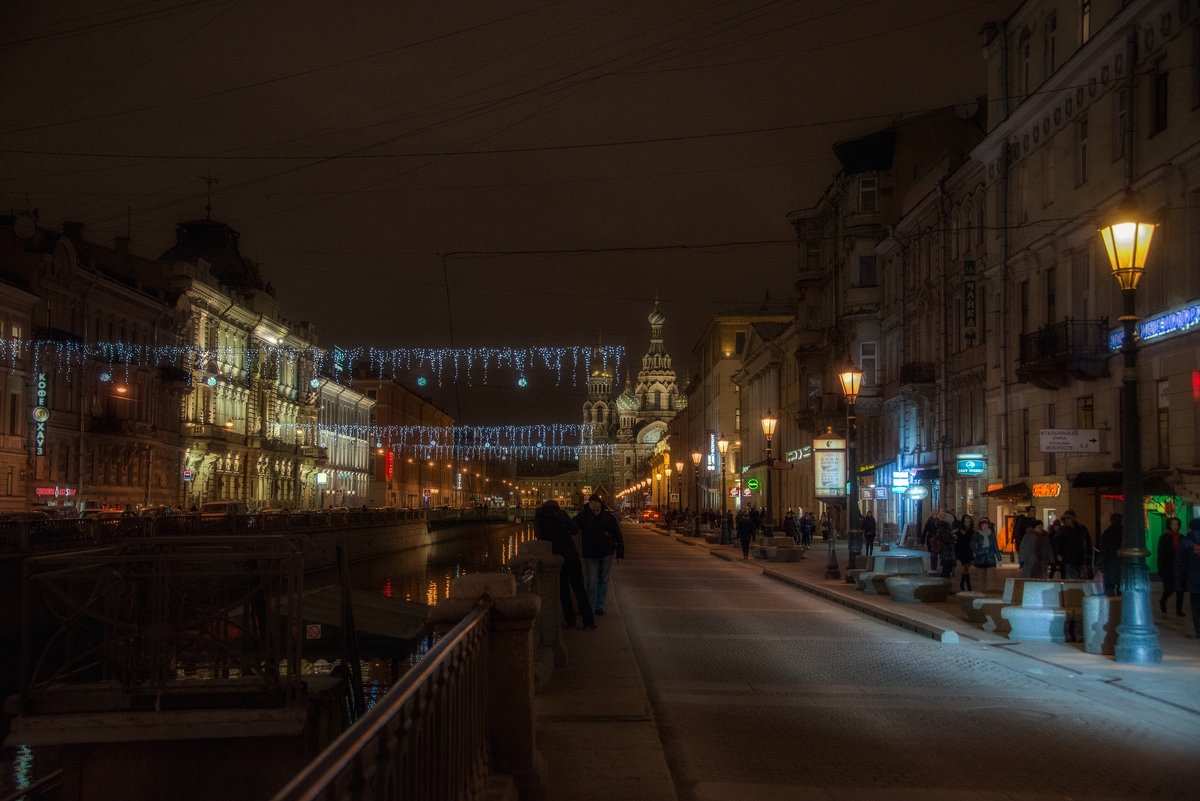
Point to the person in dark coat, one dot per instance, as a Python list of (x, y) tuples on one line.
[(944, 539), (964, 534), (808, 527), (601, 536), (868, 532), (551, 523), (1187, 570), (790, 528), (1168, 545), (1110, 562), (745, 532), (929, 538), (1073, 547)]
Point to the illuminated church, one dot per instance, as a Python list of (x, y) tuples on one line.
[(634, 421)]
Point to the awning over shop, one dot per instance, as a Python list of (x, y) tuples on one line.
[(1114, 480), (1011, 492)]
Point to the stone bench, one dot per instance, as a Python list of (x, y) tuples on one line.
[(873, 580), (971, 612), (1101, 616), (1049, 610), (917, 589), (852, 576), (777, 549)]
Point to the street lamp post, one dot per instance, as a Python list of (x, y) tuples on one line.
[(679, 472), (696, 457), (658, 490), (1127, 239), (769, 421), (851, 380), (723, 447), (667, 487)]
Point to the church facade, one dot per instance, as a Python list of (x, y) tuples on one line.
[(634, 421)]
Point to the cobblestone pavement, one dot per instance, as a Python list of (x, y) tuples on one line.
[(761, 691)]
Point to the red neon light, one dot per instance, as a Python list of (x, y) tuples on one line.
[(1196, 385), (387, 465)]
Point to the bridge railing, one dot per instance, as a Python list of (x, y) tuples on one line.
[(427, 738)]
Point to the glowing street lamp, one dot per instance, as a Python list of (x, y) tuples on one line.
[(769, 421), (723, 447), (679, 472), (1127, 235), (851, 380), (696, 457)]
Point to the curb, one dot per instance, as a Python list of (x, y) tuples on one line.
[(903, 621)]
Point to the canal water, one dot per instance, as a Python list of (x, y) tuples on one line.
[(422, 574)]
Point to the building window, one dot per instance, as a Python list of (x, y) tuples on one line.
[(1081, 151), (1085, 412), (869, 363), (1085, 20), (1158, 99), (1164, 423), (867, 195), (1024, 49), (1120, 122), (1024, 442), (1024, 305), (1051, 295), (1051, 51), (866, 271)]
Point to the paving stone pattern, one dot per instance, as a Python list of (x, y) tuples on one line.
[(761, 691)]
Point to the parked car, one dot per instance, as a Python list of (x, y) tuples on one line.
[(213, 509), (649, 515), (155, 511)]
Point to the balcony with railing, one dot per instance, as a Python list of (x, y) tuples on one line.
[(1054, 354)]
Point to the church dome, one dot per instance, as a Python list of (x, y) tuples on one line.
[(627, 401), (218, 244), (656, 317)]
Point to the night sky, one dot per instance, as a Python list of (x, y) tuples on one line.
[(517, 173)]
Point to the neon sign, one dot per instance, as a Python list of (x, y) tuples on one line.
[(1046, 490), (40, 415), (1162, 325)]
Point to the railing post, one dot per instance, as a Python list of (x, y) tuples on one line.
[(510, 720), (545, 584)]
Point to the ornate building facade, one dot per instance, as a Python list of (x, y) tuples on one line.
[(634, 422)]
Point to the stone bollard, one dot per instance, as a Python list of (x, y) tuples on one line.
[(510, 719), (548, 628)]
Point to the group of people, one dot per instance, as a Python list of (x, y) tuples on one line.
[(962, 548), (585, 575)]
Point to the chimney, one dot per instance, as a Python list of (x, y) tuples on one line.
[(121, 245), (73, 230)]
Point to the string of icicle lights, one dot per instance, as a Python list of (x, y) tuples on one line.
[(547, 441), (469, 366)]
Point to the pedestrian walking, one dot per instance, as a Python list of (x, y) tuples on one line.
[(600, 534), (985, 553), (1187, 570), (1022, 522), (727, 528), (551, 523), (1110, 562), (945, 543), (1036, 553), (826, 527), (790, 526), (745, 532), (928, 540), (868, 532), (1168, 546), (1073, 546), (808, 527), (964, 533)]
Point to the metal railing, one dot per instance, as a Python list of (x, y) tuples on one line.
[(141, 615), (1064, 340), (426, 739), (65, 534)]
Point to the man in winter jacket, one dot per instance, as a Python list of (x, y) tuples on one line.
[(1187, 570), (601, 537), (551, 523), (1073, 546)]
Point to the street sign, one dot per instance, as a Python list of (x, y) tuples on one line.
[(674, 497), (735, 491), (752, 483), (746, 493), (587, 490), (1069, 440), (312, 631)]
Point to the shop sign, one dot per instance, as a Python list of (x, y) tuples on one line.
[(322, 478), (901, 479), (797, 455), (866, 493), (734, 492), (388, 464), (1046, 490), (54, 492), (971, 467), (1175, 321), (41, 413), (746, 493), (187, 475), (917, 493), (881, 493), (752, 483), (991, 487)]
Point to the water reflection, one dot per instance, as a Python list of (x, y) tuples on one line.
[(422, 574)]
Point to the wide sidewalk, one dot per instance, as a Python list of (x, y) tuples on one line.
[(595, 724)]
